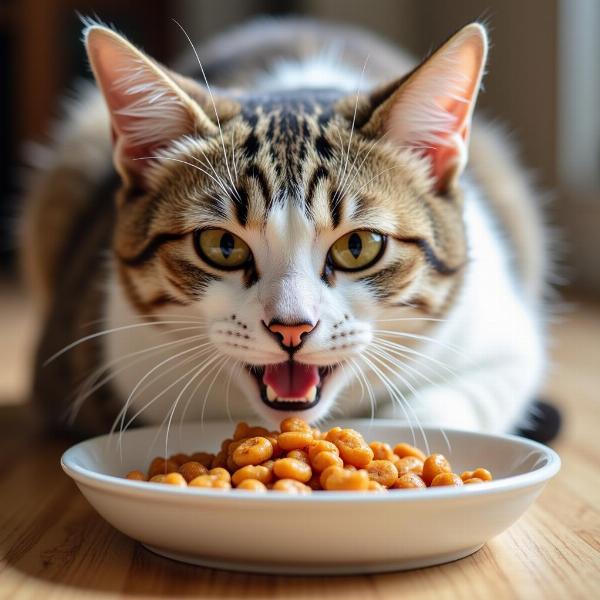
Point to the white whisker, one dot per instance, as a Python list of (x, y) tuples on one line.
[(212, 101), (210, 386), (375, 177), (356, 170), (123, 411), (402, 365), (394, 393), (416, 394), (107, 332), (183, 162), (411, 319), (201, 368), (337, 196), (91, 384), (406, 350), (125, 426), (416, 336)]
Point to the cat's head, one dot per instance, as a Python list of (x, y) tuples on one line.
[(296, 224)]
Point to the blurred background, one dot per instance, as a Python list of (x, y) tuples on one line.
[(543, 85)]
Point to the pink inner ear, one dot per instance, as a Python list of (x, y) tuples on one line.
[(434, 107), (147, 108), (445, 159)]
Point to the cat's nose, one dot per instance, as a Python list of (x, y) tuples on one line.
[(290, 336)]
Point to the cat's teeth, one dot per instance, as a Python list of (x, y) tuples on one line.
[(310, 396), (312, 393)]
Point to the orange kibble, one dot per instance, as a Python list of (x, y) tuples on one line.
[(433, 465), (253, 451), (161, 466), (314, 482), (383, 472), (294, 440), (268, 464), (333, 434), (326, 459), (408, 481), (210, 481), (348, 481), (317, 446), (233, 445), (446, 479), (225, 444), (403, 450), (353, 448), (231, 464), (204, 458), (299, 455), (252, 485), (301, 458), (175, 479), (294, 424), (219, 460), (410, 464), (258, 432), (481, 473), (180, 458), (381, 451), (192, 469), (327, 473), (258, 472), (241, 431), (292, 468), (277, 451), (220, 473), (376, 487), (290, 486)]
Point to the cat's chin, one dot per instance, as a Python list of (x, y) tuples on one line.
[(272, 400)]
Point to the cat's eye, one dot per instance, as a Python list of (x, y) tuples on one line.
[(357, 250), (222, 249)]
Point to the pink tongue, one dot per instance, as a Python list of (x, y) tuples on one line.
[(291, 379)]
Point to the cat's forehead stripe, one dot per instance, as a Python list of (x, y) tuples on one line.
[(286, 125)]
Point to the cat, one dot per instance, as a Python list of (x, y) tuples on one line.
[(326, 230)]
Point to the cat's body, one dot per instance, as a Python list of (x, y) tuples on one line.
[(484, 283)]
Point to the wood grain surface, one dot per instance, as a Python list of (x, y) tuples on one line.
[(54, 546)]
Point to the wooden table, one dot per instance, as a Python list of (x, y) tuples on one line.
[(53, 545)]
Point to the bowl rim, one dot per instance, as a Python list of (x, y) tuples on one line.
[(121, 486)]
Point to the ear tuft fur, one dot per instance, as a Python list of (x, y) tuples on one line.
[(432, 108), (148, 108)]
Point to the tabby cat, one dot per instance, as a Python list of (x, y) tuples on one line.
[(304, 236)]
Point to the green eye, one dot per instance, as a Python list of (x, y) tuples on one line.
[(222, 249), (357, 250)]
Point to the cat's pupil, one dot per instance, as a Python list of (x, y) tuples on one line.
[(227, 243), (355, 245)]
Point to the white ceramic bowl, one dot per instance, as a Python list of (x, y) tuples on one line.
[(326, 532)]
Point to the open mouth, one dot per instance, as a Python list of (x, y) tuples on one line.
[(290, 385)]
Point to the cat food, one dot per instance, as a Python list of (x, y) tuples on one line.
[(300, 459)]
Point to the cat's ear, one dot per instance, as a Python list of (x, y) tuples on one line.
[(148, 107), (431, 109)]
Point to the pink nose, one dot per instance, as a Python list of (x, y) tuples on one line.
[(291, 334)]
